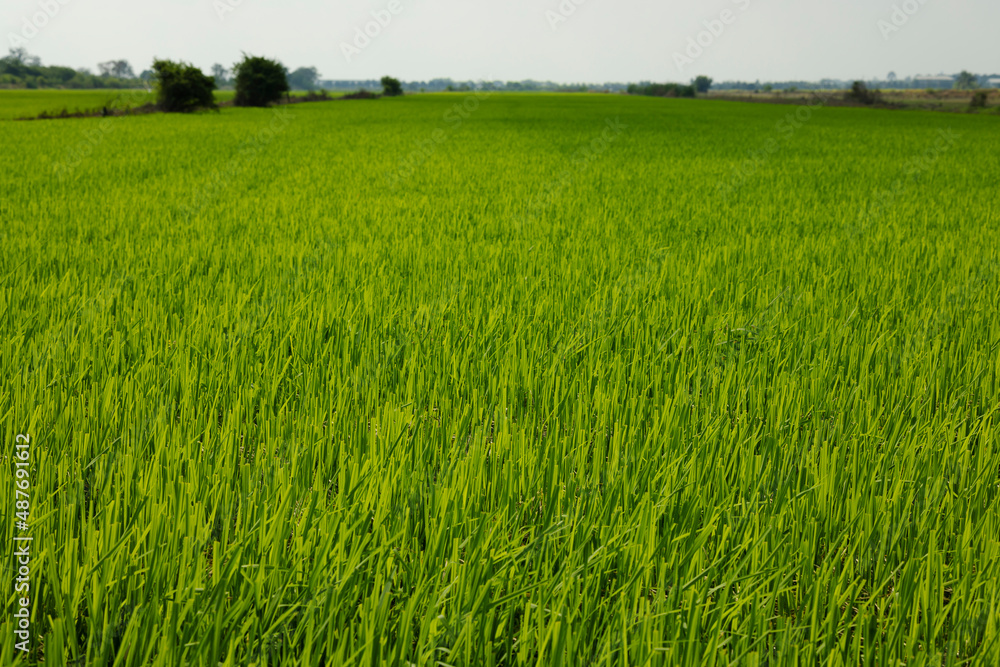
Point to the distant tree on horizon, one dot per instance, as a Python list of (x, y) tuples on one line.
[(21, 56), (220, 74), (304, 78), (861, 93), (391, 87), (120, 69), (966, 81), (702, 83)]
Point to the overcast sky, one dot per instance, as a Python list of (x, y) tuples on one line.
[(559, 40)]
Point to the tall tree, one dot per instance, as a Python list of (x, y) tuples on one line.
[(220, 74), (119, 69), (304, 78), (702, 83), (966, 81)]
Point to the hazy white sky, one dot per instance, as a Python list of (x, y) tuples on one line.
[(558, 40)]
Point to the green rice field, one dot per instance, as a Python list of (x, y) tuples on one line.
[(473, 379)]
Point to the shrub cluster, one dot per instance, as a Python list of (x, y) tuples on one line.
[(181, 87), (662, 90), (259, 81), (860, 93), (391, 87)]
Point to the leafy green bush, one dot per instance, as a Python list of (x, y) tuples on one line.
[(860, 92), (259, 81), (979, 99), (391, 87), (181, 87)]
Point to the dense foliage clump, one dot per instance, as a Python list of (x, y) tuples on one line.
[(862, 94), (979, 99), (391, 87), (181, 87), (259, 82), (662, 90), (702, 83)]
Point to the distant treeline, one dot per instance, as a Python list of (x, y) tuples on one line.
[(963, 80), (662, 90), (18, 69), (451, 85)]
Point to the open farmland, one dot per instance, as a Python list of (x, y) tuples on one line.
[(386, 382), (30, 103), (927, 99)]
